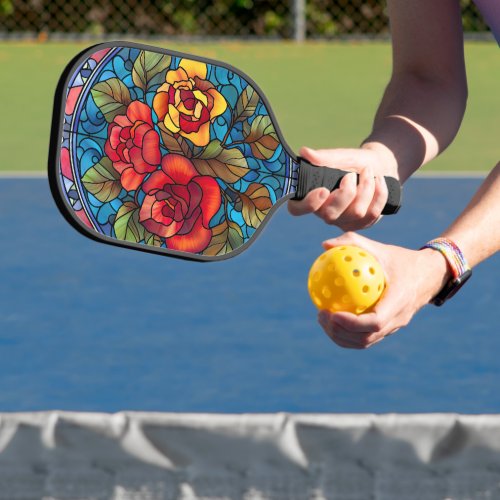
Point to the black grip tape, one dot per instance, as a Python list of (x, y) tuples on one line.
[(312, 177)]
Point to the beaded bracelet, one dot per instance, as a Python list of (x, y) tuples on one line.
[(460, 269), (452, 254)]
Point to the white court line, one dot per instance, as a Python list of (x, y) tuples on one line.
[(453, 174), (11, 174)]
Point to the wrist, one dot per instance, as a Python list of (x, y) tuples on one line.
[(386, 156), (437, 272)]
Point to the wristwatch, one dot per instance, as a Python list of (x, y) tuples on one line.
[(460, 270)]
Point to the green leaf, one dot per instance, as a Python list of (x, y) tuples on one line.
[(175, 144), (227, 164), (112, 97), (102, 180), (261, 136), (148, 69), (127, 226), (226, 237), (246, 104), (152, 239), (212, 150), (256, 203)]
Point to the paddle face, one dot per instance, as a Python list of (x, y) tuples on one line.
[(165, 152)]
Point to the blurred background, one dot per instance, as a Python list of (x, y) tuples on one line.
[(343, 53), (282, 19)]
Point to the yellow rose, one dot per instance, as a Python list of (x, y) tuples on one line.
[(187, 103)]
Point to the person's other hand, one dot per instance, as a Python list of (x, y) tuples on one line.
[(351, 206), (413, 278)]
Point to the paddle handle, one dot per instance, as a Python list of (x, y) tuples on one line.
[(312, 177)]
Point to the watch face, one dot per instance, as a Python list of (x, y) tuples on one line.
[(451, 288)]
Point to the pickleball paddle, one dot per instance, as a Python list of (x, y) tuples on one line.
[(171, 153)]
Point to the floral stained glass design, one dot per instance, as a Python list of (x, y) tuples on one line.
[(163, 150)]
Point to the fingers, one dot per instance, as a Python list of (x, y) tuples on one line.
[(310, 204), (352, 238), (355, 332), (338, 158), (364, 195), (356, 204), (365, 208), (380, 196), (364, 330), (316, 198), (335, 205), (368, 323)]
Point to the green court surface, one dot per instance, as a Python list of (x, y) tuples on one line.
[(324, 95)]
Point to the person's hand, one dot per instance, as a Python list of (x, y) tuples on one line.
[(413, 278), (351, 206)]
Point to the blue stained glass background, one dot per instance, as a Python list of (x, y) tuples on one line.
[(89, 121)]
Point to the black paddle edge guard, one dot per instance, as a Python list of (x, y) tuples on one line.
[(312, 177)]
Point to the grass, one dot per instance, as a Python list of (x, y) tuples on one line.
[(324, 95)]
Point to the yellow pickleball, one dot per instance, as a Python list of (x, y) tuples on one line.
[(346, 278)]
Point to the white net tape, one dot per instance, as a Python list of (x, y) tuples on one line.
[(160, 456)]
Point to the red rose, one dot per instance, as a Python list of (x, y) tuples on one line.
[(179, 204), (133, 145)]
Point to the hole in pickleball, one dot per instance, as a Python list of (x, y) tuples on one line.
[(366, 289), (317, 276), (330, 268), (339, 281), (317, 301), (346, 299), (348, 258), (379, 288), (356, 273), (359, 310), (372, 270), (336, 306), (362, 254), (327, 293)]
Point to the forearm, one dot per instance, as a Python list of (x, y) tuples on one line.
[(424, 103), (477, 230), (416, 120)]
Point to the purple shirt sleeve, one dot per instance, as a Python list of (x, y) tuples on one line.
[(490, 9)]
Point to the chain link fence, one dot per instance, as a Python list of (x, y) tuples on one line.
[(286, 19)]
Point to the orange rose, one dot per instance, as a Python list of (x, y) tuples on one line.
[(187, 103)]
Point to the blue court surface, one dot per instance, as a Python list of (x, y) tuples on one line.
[(92, 327)]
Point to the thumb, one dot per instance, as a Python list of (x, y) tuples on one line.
[(349, 238), (338, 158), (377, 249)]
